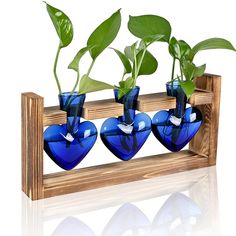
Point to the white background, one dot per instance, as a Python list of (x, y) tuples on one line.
[(28, 45)]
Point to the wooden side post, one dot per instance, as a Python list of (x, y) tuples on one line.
[(32, 145), (205, 141)]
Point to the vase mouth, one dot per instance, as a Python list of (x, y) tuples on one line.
[(67, 94), (135, 88), (174, 83), (68, 100)]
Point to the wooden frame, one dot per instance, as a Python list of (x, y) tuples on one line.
[(202, 149)]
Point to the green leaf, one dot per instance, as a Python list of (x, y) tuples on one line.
[(62, 24), (131, 51), (104, 34), (179, 49), (153, 38), (88, 85), (129, 83), (125, 86), (212, 43), (199, 71), (149, 64), (184, 49), (150, 26), (188, 87), (191, 71), (74, 65), (124, 60), (122, 92), (174, 48)]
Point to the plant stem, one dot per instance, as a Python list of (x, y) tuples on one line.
[(173, 70), (88, 72), (76, 83), (181, 72), (135, 66), (55, 69), (141, 61), (90, 68), (139, 65)]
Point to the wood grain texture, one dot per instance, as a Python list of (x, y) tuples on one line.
[(109, 108), (201, 96), (102, 109), (53, 116), (32, 145), (205, 141), (121, 172), (155, 102)]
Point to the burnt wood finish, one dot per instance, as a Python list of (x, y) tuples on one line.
[(205, 141), (107, 108), (32, 145), (35, 117), (121, 172)]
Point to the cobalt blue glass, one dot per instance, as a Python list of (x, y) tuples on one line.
[(124, 136), (176, 127), (69, 143)]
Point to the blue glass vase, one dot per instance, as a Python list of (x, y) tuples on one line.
[(69, 143), (124, 136), (176, 127)]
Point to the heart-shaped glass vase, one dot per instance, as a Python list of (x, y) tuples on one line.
[(124, 136), (69, 143), (175, 128)]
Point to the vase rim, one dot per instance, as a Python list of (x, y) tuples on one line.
[(175, 82), (136, 87), (64, 94)]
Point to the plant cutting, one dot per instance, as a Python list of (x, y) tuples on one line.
[(124, 136), (68, 144), (176, 127), (184, 55)]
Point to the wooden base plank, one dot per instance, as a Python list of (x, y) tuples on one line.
[(121, 172)]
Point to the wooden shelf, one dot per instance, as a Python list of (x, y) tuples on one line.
[(53, 115), (102, 109), (155, 102), (107, 108), (120, 172), (201, 97)]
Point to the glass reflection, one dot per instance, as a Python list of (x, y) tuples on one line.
[(71, 226), (190, 207)]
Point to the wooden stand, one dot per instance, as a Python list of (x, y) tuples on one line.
[(201, 153)]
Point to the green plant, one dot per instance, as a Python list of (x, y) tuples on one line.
[(64, 29), (98, 41), (136, 59), (147, 26), (184, 54)]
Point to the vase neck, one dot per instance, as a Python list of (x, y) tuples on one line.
[(174, 89), (72, 104), (129, 101)]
